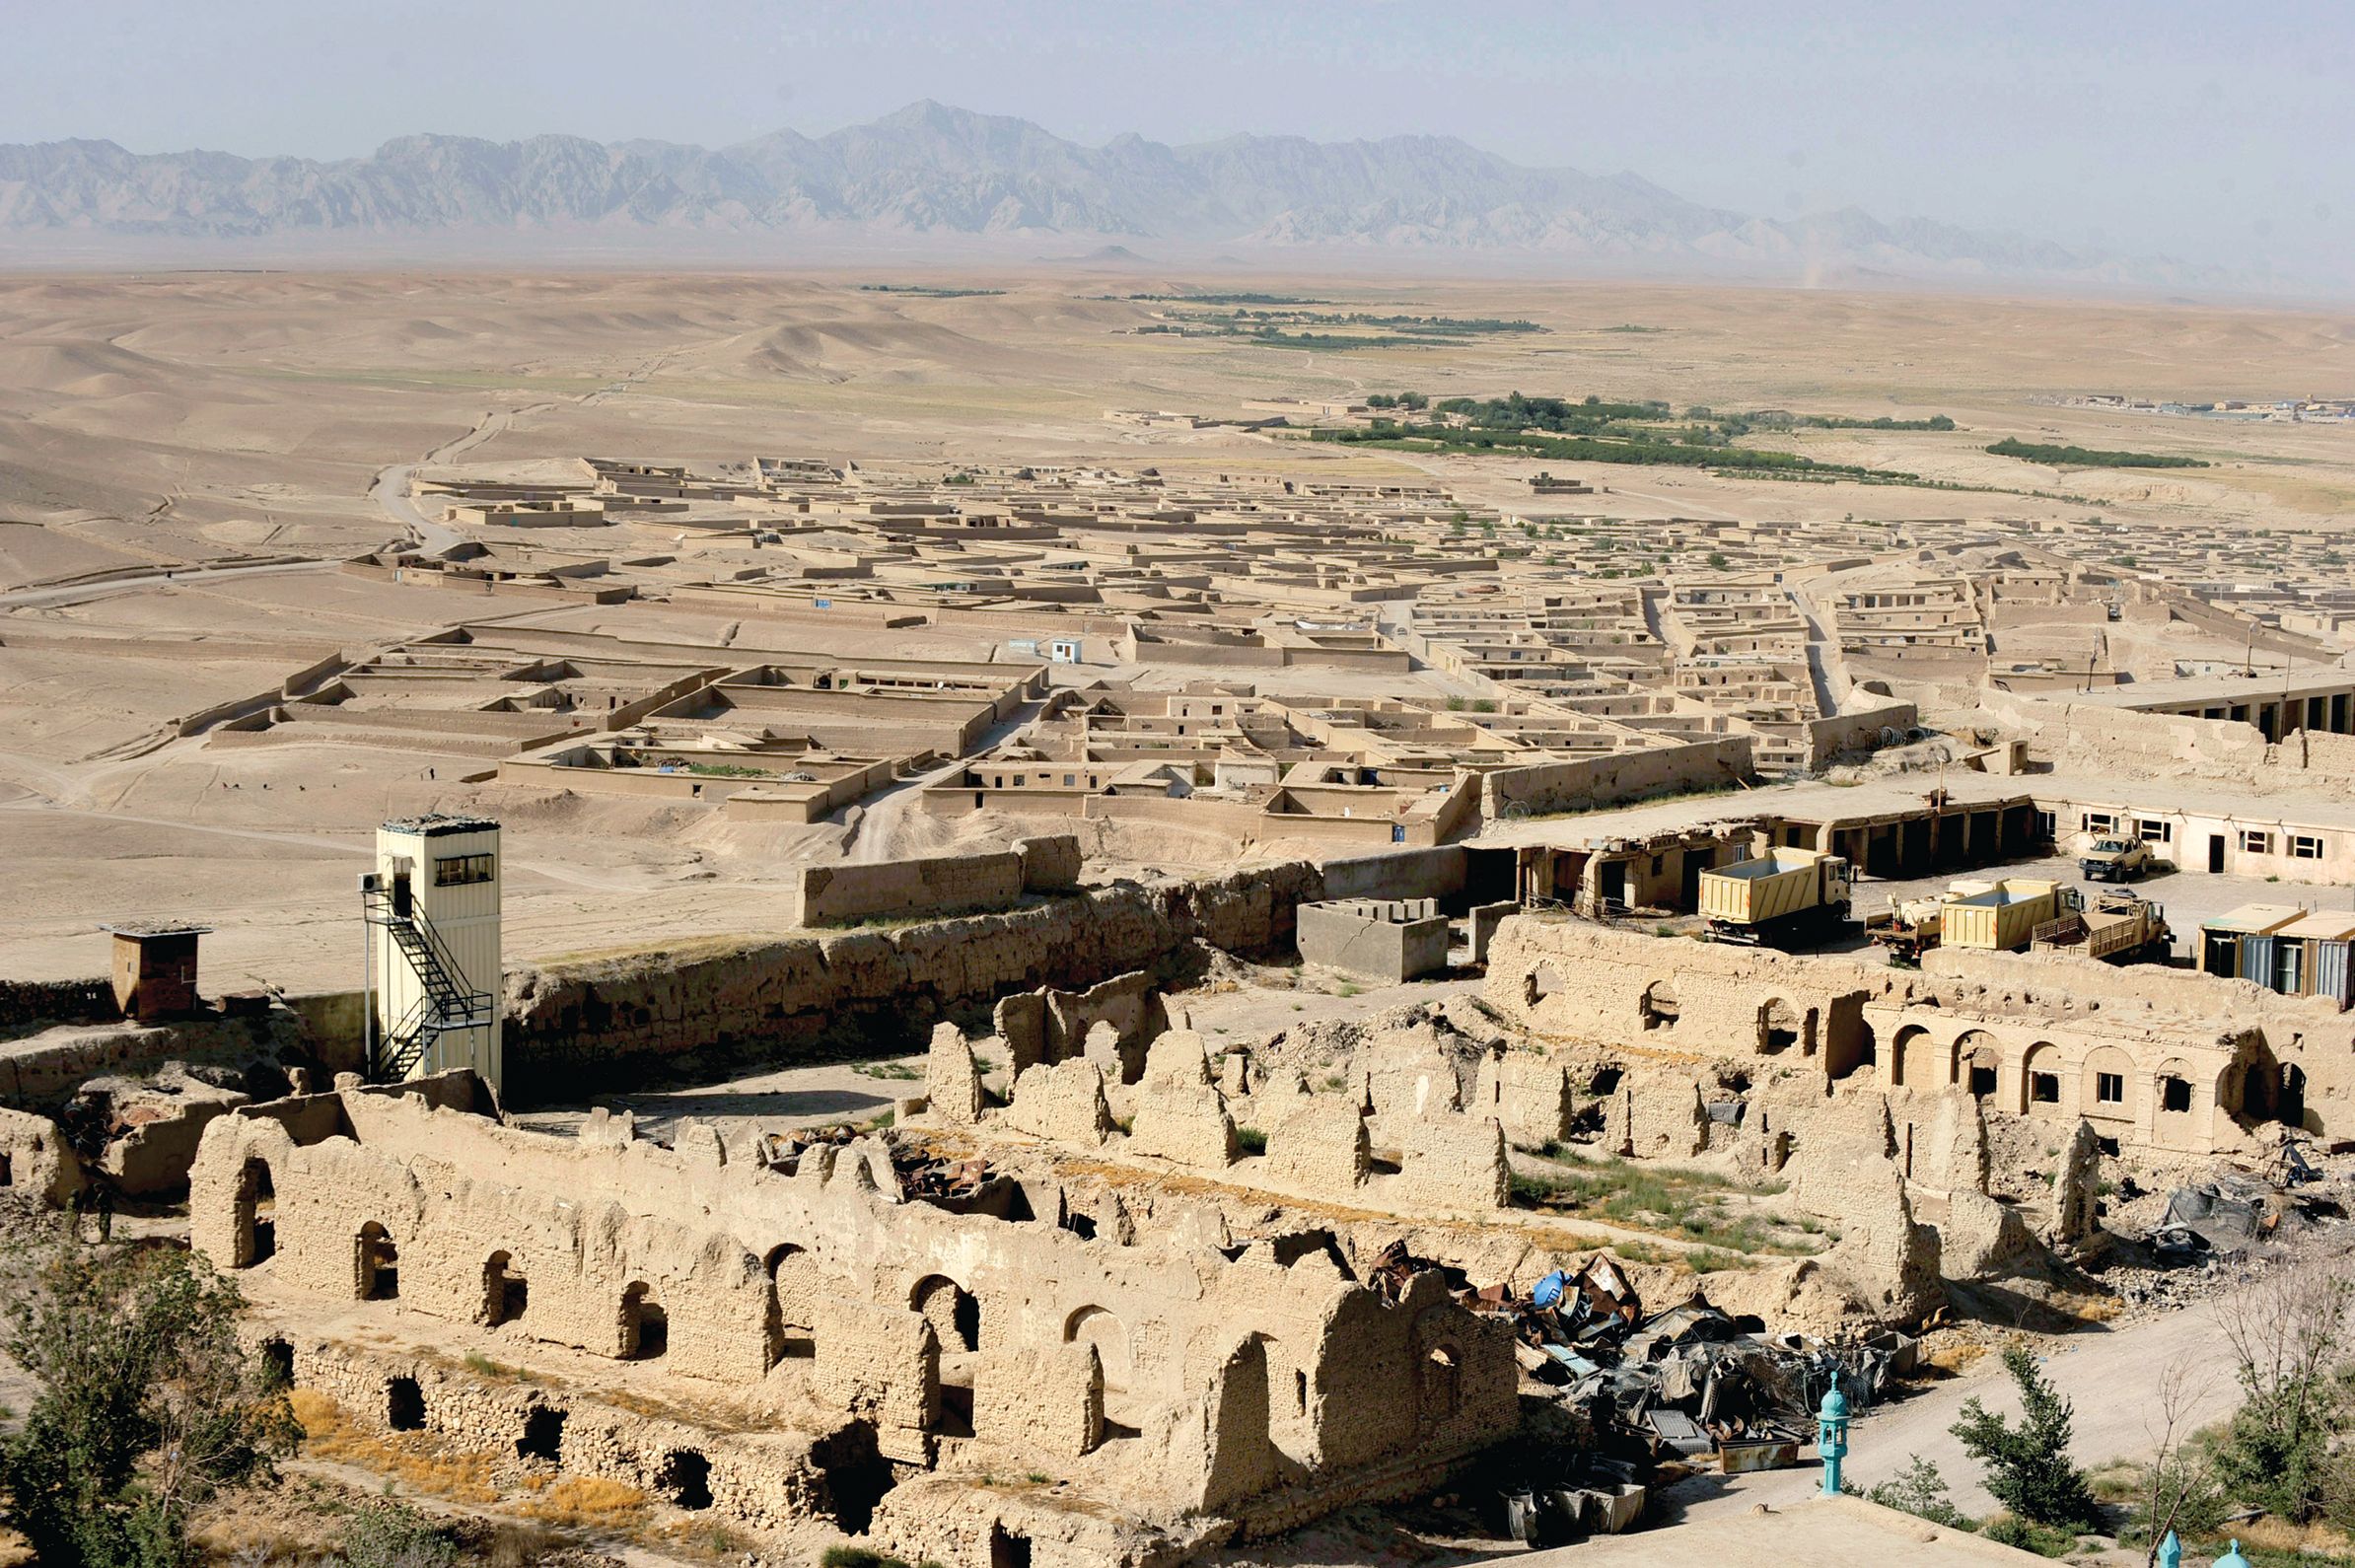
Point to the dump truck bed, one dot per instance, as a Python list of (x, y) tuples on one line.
[(2003, 917), (1782, 881)]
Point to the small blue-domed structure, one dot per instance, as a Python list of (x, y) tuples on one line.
[(2233, 1558)]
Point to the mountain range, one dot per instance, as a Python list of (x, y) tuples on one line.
[(936, 174)]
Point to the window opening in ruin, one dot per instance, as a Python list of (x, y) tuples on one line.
[(505, 1293), (544, 1435), (277, 1365), (2175, 1093), (645, 1327), (2044, 1088), (1442, 1391), (1082, 1226), (8, 1170), (1604, 1082), (405, 1405), (1982, 1081), (791, 1291), (1778, 1027), (857, 1476), (685, 1478), (1541, 983), (2110, 1089), (1659, 1006), (1300, 1391), (379, 1264), (256, 1239), (1008, 1551)]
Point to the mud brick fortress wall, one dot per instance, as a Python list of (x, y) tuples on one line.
[(583, 1022), (1164, 1379)]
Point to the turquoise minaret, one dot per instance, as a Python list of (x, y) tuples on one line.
[(1831, 1434)]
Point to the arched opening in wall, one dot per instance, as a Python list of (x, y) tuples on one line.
[(277, 1365), (405, 1405), (2041, 1080), (1007, 1550), (2290, 1110), (2175, 1093), (645, 1326), (856, 1475), (792, 1303), (1907, 1057), (544, 1435), (1779, 1027), (1978, 1064), (1093, 1326), (2257, 1090), (256, 1218), (376, 1264), (685, 1479), (1540, 983), (1604, 1082), (1442, 1386), (951, 1308), (1659, 1006), (505, 1292)]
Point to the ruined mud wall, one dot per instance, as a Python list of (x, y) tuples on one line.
[(832, 896), (1618, 777), (26, 1003), (579, 1025), (1566, 976)]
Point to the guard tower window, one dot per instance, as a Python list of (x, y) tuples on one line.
[(460, 871)]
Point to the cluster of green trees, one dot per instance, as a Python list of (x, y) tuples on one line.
[(2088, 456), (1277, 338), (1453, 325), (1615, 448), (928, 291), (1220, 298)]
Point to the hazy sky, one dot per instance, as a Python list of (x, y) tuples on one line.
[(2214, 132)]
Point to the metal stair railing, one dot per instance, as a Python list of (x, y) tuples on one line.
[(446, 1005)]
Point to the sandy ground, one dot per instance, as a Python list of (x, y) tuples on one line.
[(151, 424)]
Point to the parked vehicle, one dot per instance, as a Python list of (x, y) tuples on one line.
[(2120, 928), (2117, 860), (1784, 896), (1995, 916)]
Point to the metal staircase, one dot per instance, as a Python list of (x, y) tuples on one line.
[(446, 1007)]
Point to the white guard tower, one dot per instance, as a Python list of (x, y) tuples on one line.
[(432, 974)]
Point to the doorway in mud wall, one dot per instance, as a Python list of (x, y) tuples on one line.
[(2216, 852)]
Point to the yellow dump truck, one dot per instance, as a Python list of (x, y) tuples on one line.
[(1784, 895), (1998, 916), (2120, 928)]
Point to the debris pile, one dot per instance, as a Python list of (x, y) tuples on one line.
[(1688, 1386)]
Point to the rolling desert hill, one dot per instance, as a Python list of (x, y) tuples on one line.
[(935, 176)]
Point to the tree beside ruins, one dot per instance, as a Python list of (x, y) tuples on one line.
[(2026, 1466), (148, 1407)]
